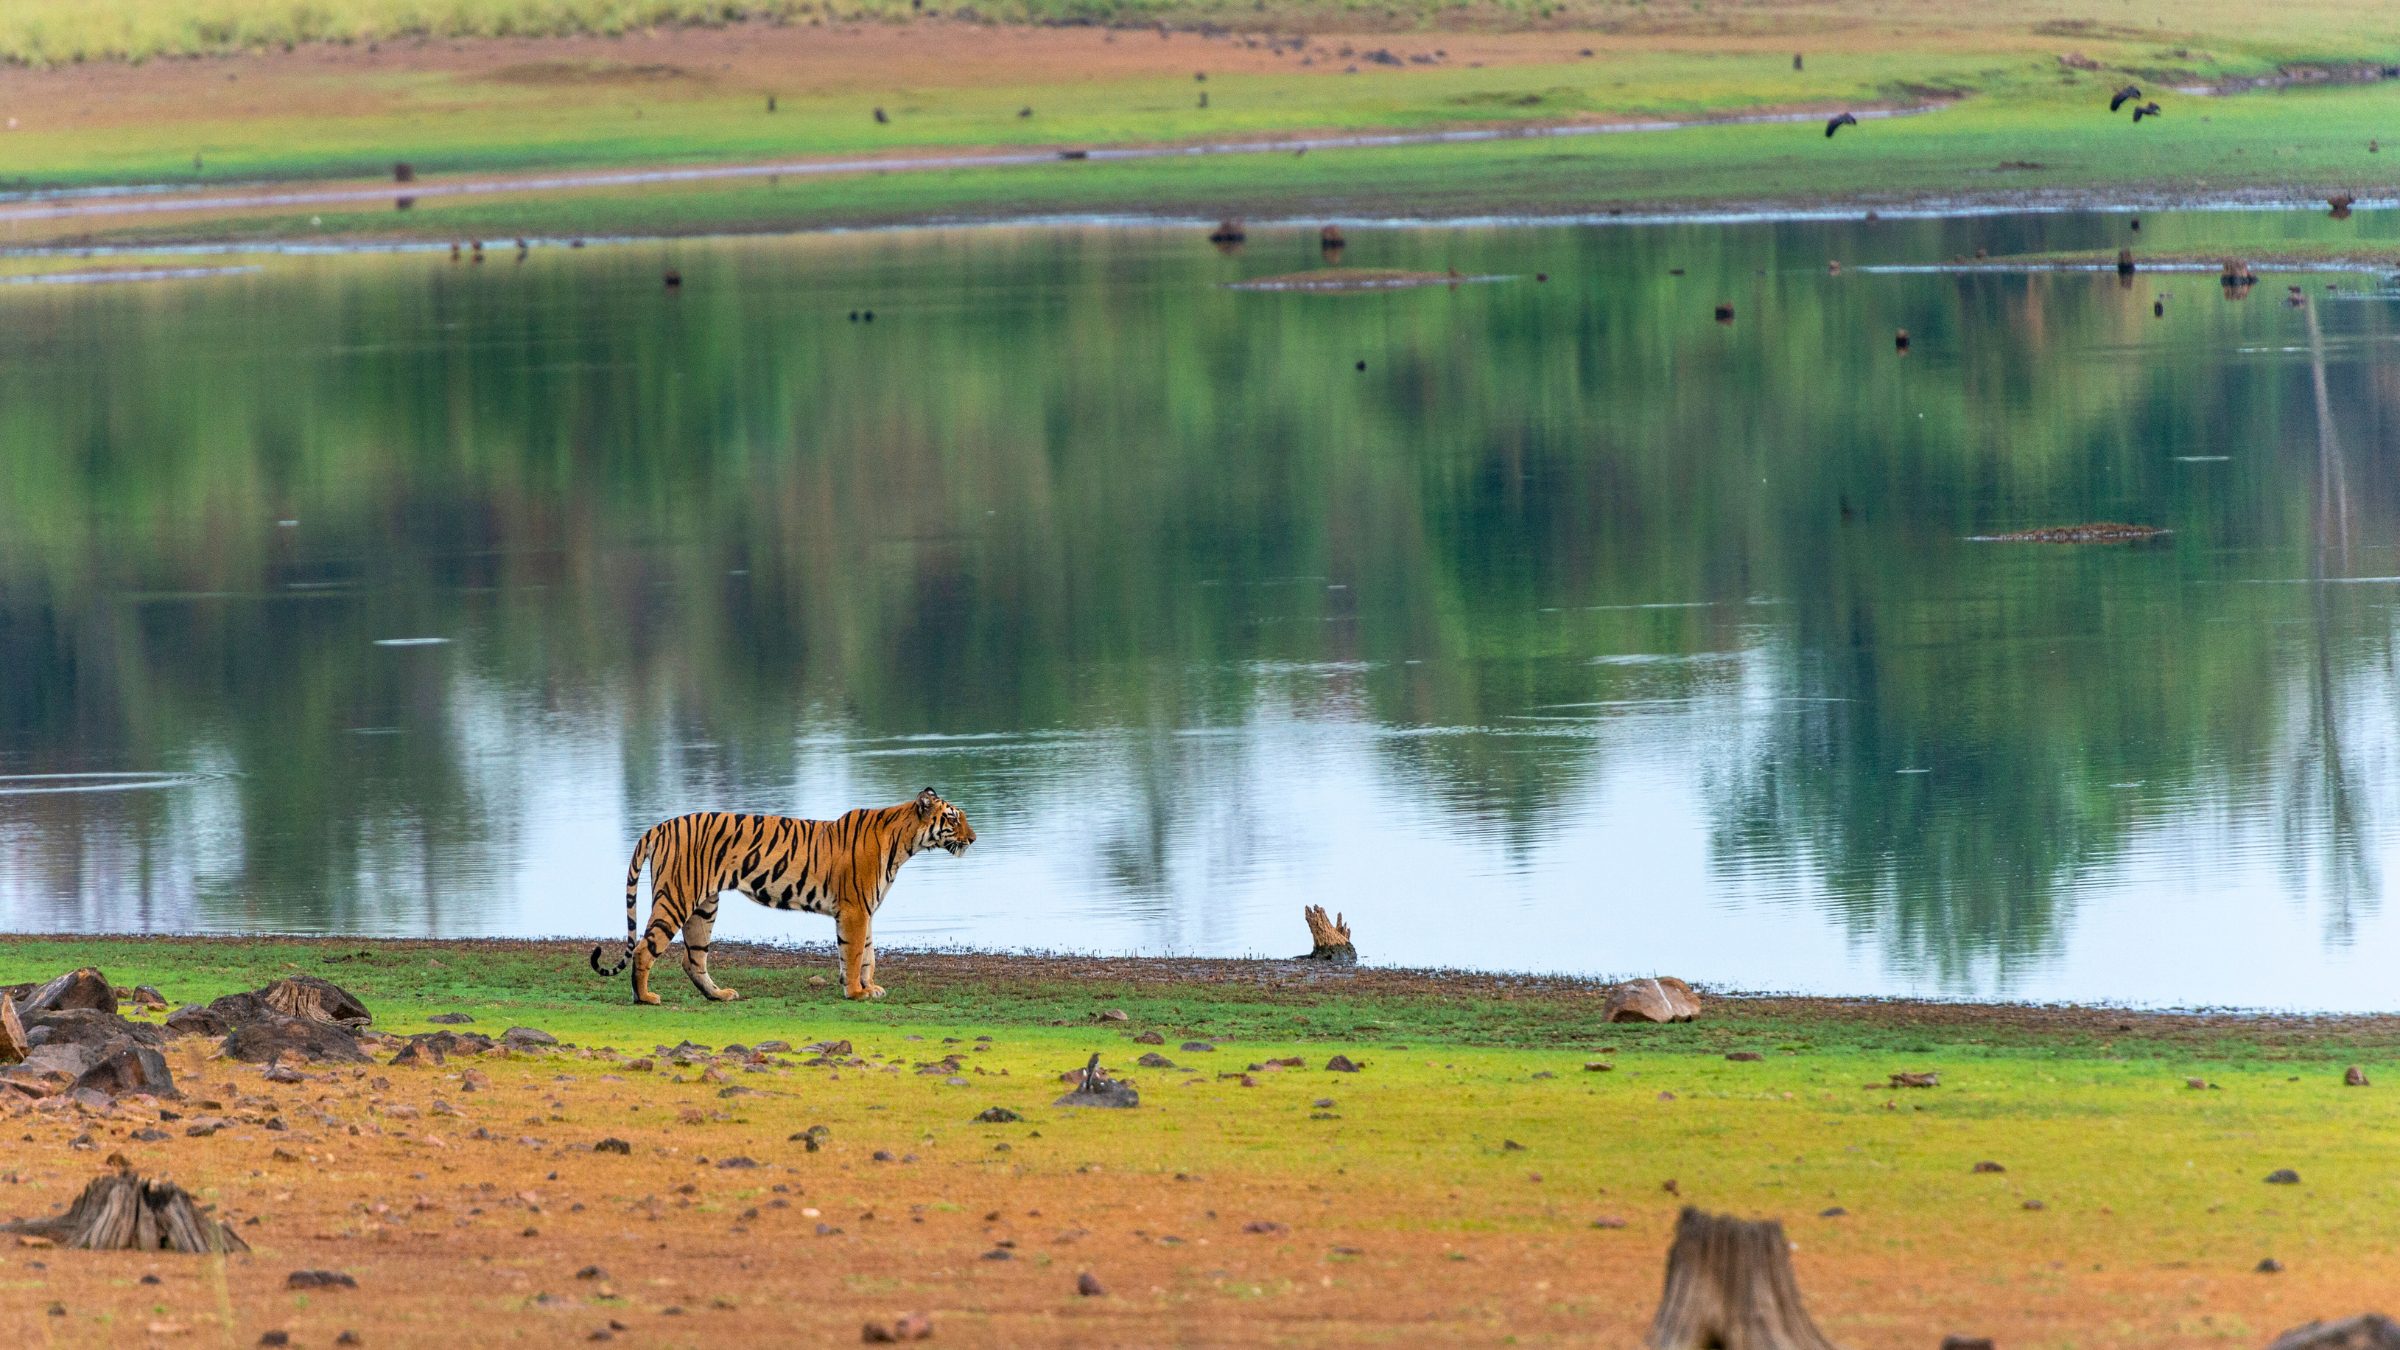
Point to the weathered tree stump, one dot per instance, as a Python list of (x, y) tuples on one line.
[(1329, 938), (122, 1212), (1098, 1089), (1730, 1287), (12, 1033)]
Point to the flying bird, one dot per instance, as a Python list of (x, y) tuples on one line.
[(2128, 92), (1845, 120), (2149, 109)]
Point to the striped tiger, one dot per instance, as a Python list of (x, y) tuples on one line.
[(842, 867)]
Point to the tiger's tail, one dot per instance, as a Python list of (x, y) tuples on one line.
[(642, 849)]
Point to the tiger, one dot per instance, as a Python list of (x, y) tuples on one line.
[(842, 867)]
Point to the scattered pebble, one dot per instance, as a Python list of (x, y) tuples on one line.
[(2283, 1176), (1088, 1285), (1989, 1167), (319, 1279), (2270, 1266)]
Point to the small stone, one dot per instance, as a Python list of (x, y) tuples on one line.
[(1833, 1212), (1154, 1060), (2270, 1266), (2035, 1204), (275, 1338), (319, 1279), (1608, 1221), (735, 1163), (2354, 1076), (1266, 1228), (1511, 1146), (1149, 1038), (1111, 1015), (999, 1254), (450, 1020), (1916, 1080), (1088, 1285), (1988, 1167), (1745, 1057), (349, 1338), (591, 1273), (1598, 1066), (884, 1155), (2283, 1176), (2195, 1084), (1956, 1342), (1196, 1048), (612, 1146), (1342, 1064), (997, 1115)]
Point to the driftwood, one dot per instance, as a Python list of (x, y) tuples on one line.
[(1730, 1287), (122, 1212), (1329, 939)]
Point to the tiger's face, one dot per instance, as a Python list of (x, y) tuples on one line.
[(946, 826)]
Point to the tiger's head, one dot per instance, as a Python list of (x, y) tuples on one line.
[(944, 825)]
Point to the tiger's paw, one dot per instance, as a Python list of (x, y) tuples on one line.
[(724, 995), (645, 997), (874, 991)]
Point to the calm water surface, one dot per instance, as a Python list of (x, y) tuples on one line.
[(1576, 632)]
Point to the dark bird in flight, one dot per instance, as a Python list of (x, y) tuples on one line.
[(2149, 109), (1845, 120), (2128, 92)]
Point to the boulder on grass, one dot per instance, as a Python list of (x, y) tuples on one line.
[(85, 988), (273, 1035), (2369, 1331), (1661, 998)]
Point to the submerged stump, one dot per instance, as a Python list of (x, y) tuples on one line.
[(122, 1212), (1730, 1287)]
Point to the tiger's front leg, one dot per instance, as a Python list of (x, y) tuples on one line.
[(855, 926)]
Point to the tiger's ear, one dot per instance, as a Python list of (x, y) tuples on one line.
[(925, 801)]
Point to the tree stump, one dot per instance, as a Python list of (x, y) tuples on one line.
[(1330, 938), (12, 1033), (1730, 1287), (122, 1212)]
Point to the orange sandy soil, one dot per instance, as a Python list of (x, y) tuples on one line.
[(1406, 1216)]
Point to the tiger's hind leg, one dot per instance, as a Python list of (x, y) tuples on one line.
[(696, 932), (666, 915)]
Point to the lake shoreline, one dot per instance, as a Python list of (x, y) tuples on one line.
[(1269, 982)]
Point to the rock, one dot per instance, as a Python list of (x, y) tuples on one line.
[(1197, 1048), (147, 996), (2195, 1084), (450, 1020), (997, 1115), (1659, 999), (1957, 1342), (612, 1146), (1110, 1015), (1343, 1064), (1833, 1212), (1149, 1038), (418, 1055), (2269, 1266), (12, 1033), (591, 1273), (1745, 1057), (1088, 1285), (125, 1066), (1988, 1167), (1266, 1228), (2283, 1176), (526, 1036), (319, 1279), (2354, 1076), (735, 1163), (1610, 1221), (86, 988), (1916, 1080), (2369, 1331), (275, 1035), (1155, 1060), (1598, 1066), (910, 1327)]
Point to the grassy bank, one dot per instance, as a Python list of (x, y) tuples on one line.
[(1451, 1190), (2012, 106)]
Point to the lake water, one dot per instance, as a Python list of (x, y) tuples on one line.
[(1577, 632)]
